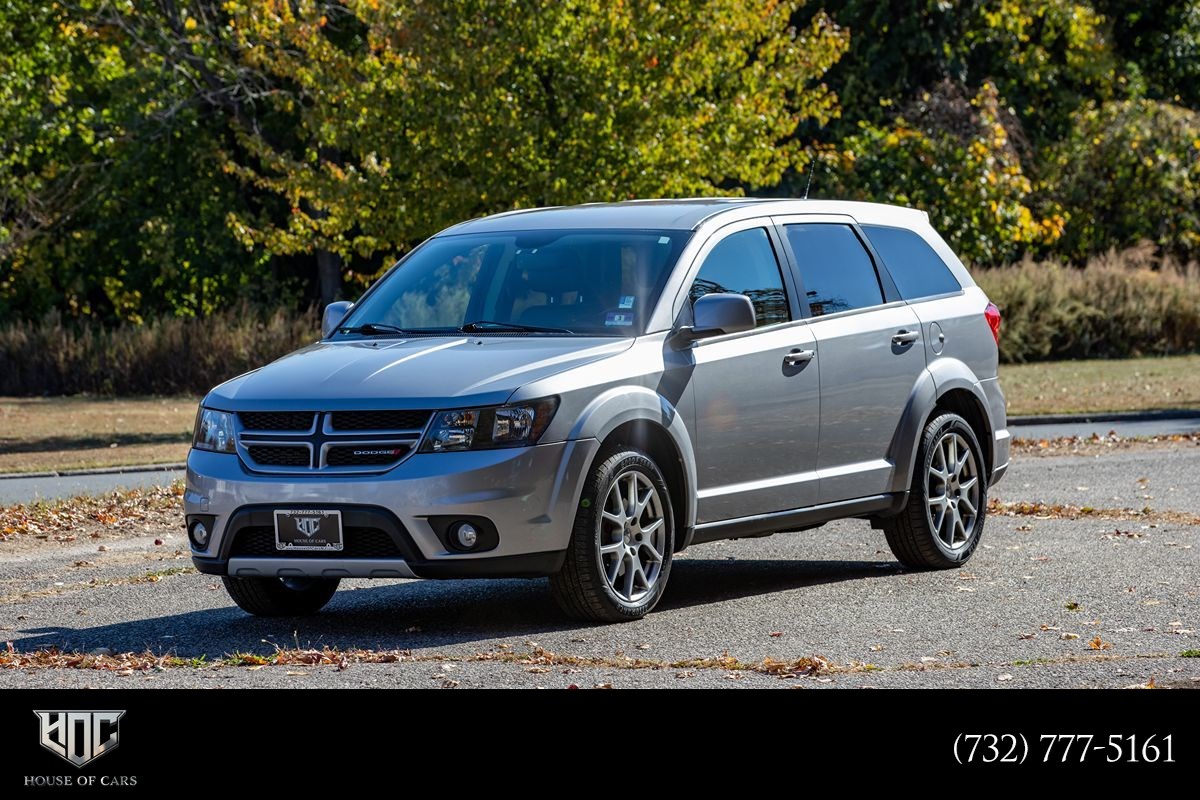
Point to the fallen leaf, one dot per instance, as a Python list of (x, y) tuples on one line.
[(776, 634), (573, 686), (296, 674), (1069, 636), (1027, 635), (1004, 677), (538, 670), (1099, 644), (685, 674), (1073, 606), (603, 686)]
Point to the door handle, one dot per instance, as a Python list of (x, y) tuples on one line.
[(905, 337), (798, 357)]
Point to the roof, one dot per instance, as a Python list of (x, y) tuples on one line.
[(677, 214)]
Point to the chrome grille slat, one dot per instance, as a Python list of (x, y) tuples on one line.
[(327, 448)]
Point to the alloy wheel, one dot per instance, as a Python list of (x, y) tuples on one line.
[(632, 536), (953, 491)]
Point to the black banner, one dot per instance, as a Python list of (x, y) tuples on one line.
[(125, 742)]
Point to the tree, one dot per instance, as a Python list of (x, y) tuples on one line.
[(953, 156), (1130, 171), (407, 118)]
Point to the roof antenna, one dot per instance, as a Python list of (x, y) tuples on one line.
[(812, 167)]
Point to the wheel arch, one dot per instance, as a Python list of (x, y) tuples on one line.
[(946, 385), (643, 419)]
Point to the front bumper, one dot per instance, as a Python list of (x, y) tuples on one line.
[(530, 494)]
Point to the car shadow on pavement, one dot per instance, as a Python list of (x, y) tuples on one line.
[(428, 615)]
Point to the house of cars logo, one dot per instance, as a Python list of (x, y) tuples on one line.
[(79, 736), (308, 525)]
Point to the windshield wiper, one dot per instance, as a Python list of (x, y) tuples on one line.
[(373, 329), (487, 325)]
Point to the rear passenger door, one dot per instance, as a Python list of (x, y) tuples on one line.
[(869, 352), (951, 328)]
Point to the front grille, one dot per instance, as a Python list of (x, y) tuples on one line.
[(343, 441), (365, 455), (298, 421), (378, 420), (280, 455), (259, 540)]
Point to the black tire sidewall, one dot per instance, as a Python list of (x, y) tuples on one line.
[(933, 434)]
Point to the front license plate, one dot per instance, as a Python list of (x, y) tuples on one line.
[(308, 529)]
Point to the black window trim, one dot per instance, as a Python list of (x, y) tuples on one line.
[(782, 262), (925, 297), (888, 291)]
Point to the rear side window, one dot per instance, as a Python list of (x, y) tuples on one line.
[(745, 263), (837, 270), (917, 270)]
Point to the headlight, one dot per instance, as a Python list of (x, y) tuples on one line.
[(488, 428), (214, 431)]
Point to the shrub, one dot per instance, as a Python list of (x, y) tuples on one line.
[(1121, 304), (170, 355), (1129, 171)]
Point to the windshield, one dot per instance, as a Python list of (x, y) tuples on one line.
[(577, 282)]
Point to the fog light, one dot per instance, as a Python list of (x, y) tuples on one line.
[(466, 535), (200, 534)]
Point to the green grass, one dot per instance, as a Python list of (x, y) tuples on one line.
[(1135, 384), (1190, 654)]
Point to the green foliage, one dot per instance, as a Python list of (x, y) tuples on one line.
[(1119, 305), (1129, 171), (412, 117), (170, 355), (953, 157), (166, 158)]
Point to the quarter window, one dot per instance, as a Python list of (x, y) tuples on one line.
[(745, 263), (836, 269), (917, 270)]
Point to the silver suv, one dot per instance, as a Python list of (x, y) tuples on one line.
[(583, 392)]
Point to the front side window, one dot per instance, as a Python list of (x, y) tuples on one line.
[(836, 269), (564, 282), (745, 263), (917, 270)]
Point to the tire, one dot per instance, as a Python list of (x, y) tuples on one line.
[(281, 597), (626, 579), (926, 533)]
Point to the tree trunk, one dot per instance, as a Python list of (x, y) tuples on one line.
[(329, 276)]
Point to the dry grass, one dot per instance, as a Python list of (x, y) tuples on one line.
[(1096, 444), (1138, 384), (1067, 511), (40, 434)]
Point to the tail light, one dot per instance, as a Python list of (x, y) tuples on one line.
[(992, 313)]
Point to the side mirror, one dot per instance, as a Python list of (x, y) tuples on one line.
[(717, 314), (334, 314)]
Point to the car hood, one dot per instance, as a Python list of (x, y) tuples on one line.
[(421, 372)]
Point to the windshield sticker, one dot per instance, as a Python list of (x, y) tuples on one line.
[(664, 240), (626, 301), (617, 319)]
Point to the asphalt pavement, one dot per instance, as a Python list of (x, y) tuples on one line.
[(1044, 602)]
